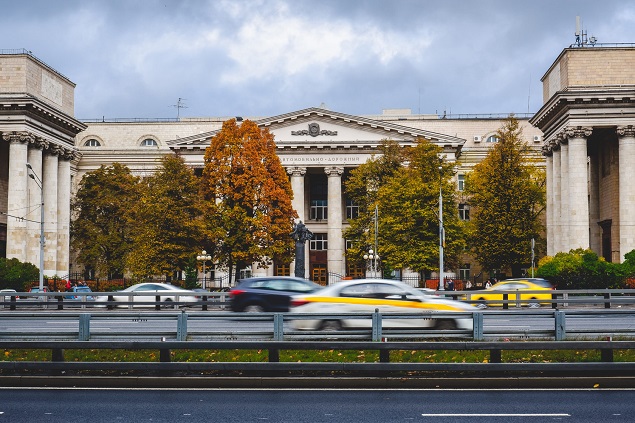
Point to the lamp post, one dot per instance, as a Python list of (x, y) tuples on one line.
[(372, 258), (204, 257), (441, 231), (38, 182)]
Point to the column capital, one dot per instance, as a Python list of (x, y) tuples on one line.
[(296, 171), (577, 132), (334, 171), (626, 131), (17, 137), (547, 150)]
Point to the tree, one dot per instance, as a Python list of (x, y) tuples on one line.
[(165, 222), (248, 197), (100, 231), (17, 275), (506, 194), (407, 198)]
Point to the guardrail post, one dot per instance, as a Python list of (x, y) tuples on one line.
[(60, 302), (607, 300), (560, 325), (278, 327), (495, 356), (376, 326), (111, 299), (181, 327), (477, 319), (204, 302), (518, 305), (157, 299), (13, 301), (274, 355), (554, 300), (84, 327), (505, 298), (606, 355), (384, 356)]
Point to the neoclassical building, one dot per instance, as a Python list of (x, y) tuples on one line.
[(588, 121)]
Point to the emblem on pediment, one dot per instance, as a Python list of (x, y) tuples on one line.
[(314, 131)]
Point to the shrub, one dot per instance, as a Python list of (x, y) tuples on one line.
[(17, 275)]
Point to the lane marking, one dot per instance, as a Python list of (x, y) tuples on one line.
[(496, 415)]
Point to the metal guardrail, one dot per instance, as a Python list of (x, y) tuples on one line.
[(194, 326), (273, 367)]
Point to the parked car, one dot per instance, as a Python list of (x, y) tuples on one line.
[(7, 294), (268, 293), (493, 296), (80, 288), (387, 296), (165, 291)]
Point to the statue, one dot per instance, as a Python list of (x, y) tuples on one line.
[(301, 234)]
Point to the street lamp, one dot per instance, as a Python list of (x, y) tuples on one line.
[(372, 258), (204, 257), (38, 181), (441, 231)]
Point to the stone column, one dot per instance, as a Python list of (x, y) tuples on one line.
[(595, 240), (49, 180), (626, 135), (297, 186), (335, 253), (550, 212), (557, 220), (578, 187), (63, 213), (17, 195), (564, 195), (34, 204)]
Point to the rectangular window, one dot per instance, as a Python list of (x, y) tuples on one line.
[(319, 242), (464, 272), (319, 210), (282, 270), (352, 210), (464, 211), (461, 182)]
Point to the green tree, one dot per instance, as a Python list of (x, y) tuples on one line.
[(361, 187), (165, 222), (248, 197), (17, 275), (506, 194), (100, 233)]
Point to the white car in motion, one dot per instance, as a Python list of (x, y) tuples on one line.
[(148, 292), (387, 296)]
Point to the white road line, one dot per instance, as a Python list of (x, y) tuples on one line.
[(497, 415)]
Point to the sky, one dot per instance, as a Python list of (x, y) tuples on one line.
[(261, 58)]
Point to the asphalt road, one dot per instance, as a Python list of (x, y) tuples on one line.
[(315, 406)]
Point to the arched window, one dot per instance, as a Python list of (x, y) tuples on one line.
[(492, 138), (149, 142), (92, 143)]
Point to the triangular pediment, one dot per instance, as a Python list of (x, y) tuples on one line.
[(317, 127)]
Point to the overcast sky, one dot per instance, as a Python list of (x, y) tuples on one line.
[(258, 58)]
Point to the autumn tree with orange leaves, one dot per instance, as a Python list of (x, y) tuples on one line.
[(247, 193)]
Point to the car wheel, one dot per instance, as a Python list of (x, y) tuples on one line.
[(168, 303), (331, 325), (254, 308), (445, 325), (481, 303), (533, 303)]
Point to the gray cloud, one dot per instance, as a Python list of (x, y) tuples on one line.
[(265, 57)]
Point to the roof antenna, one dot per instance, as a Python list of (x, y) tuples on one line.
[(581, 39), (179, 105)]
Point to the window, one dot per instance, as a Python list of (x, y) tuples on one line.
[(352, 210), (149, 142), (464, 211), (492, 138), (319, 210), (92, 143), (464, 272), (319, 242), (461, 182), (282, 270)]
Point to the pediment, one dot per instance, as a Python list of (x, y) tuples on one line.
[(321, 128)]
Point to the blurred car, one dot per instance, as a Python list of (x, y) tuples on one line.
[(7, 294), (388, 296), (165, 291), (80, 288), (493, 296), (268, 293)]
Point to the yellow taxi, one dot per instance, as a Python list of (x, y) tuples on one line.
[(386, 296), (532, 292)]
